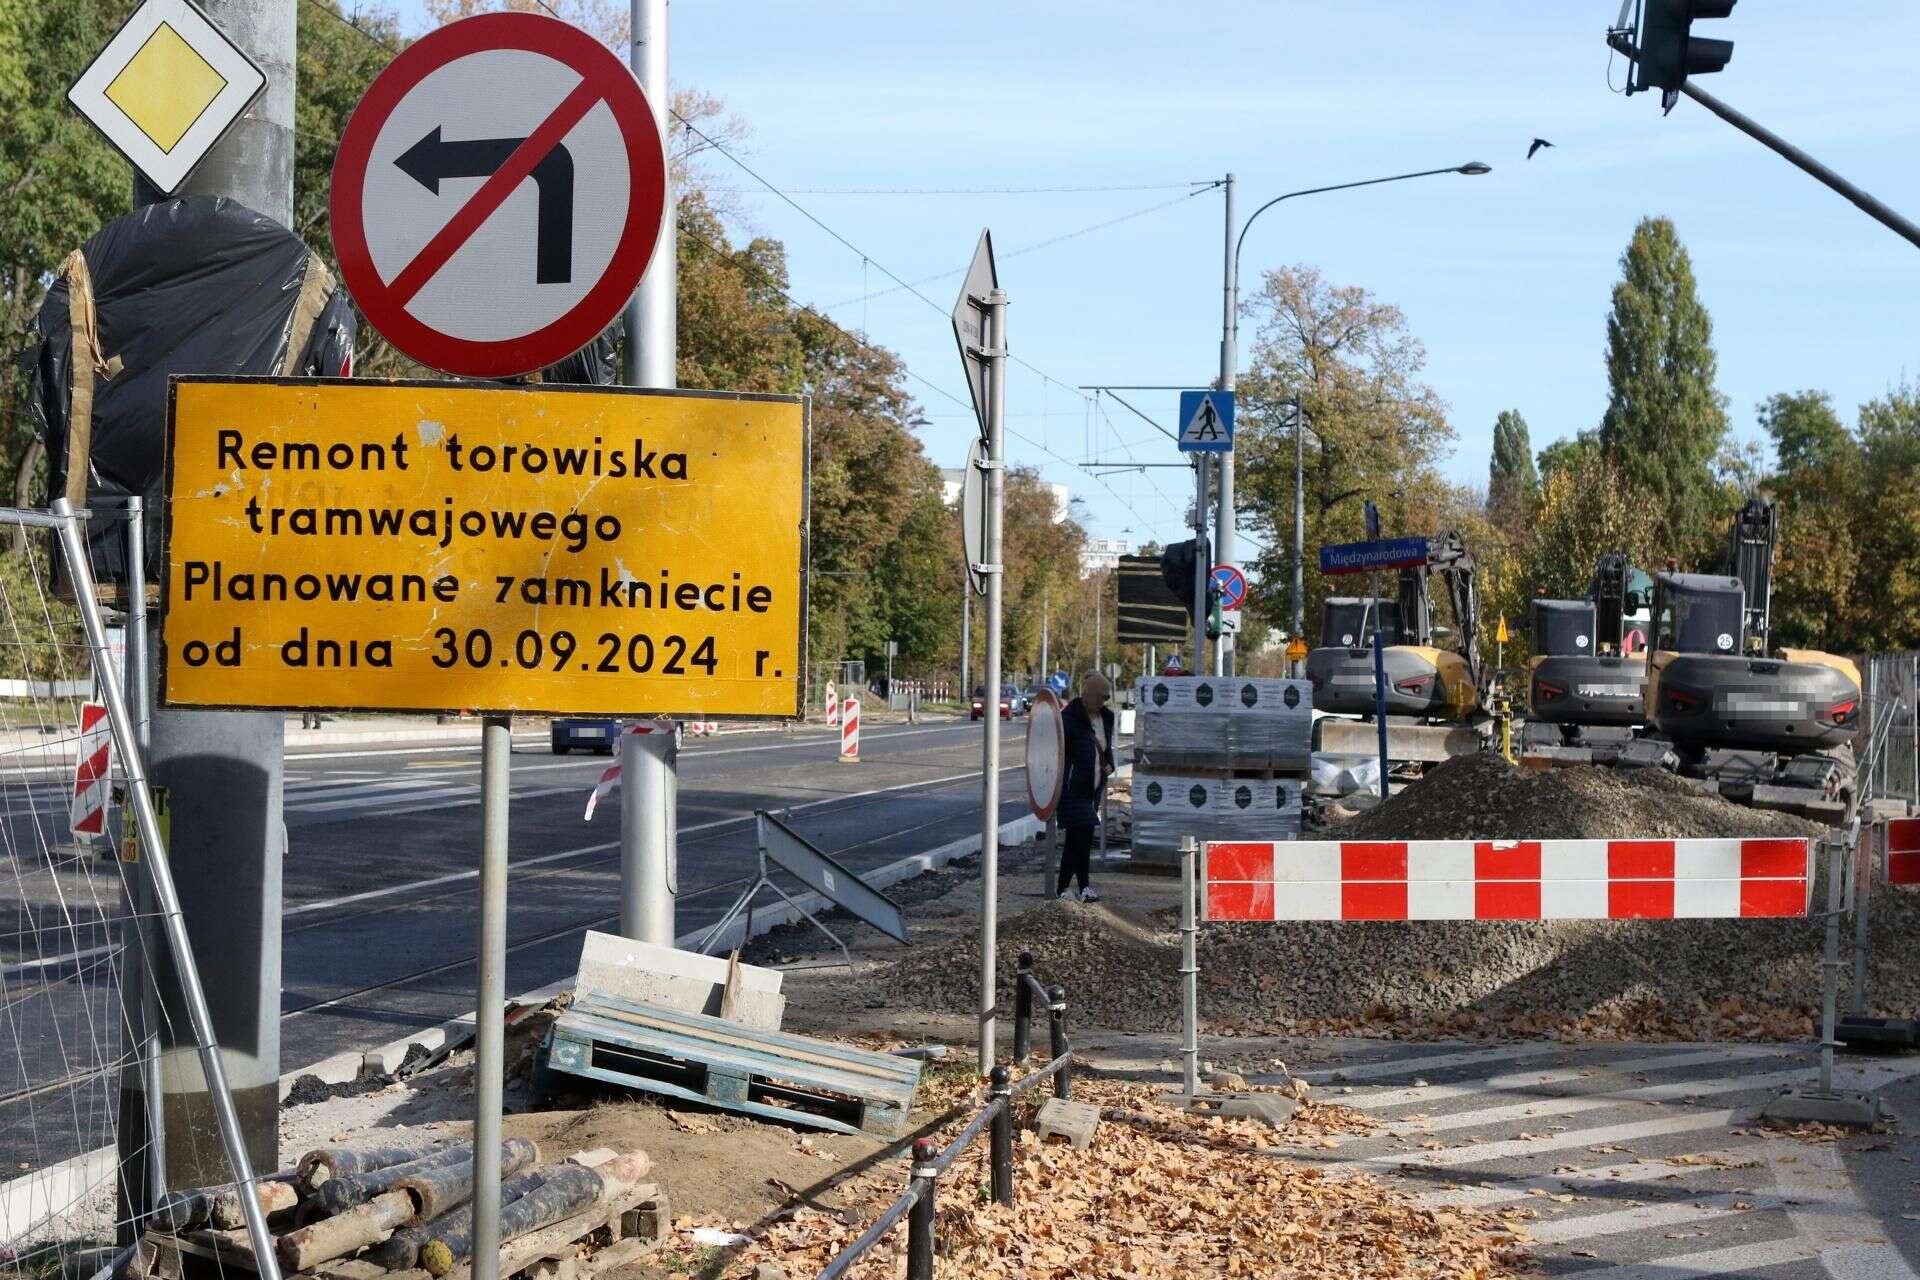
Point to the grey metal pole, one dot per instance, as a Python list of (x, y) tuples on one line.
[(1837, 852), (1046, 611), (996, 358), (649, 791), (199, 1017), (223, 769), (1862, 904), (1225, 548), (1299, 518), (489, 1066), (649, 764), (1099, 599), (1200, 565), (1189, 968)]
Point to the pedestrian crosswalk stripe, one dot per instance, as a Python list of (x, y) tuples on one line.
[(1422, 1064), (1736, 1260), (1646, 1217), (1556, 1107), (1586, 1181), (1481, 1152), (1430, 1094)]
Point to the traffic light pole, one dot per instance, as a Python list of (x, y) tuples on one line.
[(1864, 201), (1200, 565)]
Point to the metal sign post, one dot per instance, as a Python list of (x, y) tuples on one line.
[(980, 328)]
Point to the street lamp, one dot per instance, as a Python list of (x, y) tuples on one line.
[(1230, 356)]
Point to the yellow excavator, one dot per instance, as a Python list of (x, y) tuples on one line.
[(1771, 728), (1433, 689)]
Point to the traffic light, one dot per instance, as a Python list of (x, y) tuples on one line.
[(1179, 564), (1670, 52)]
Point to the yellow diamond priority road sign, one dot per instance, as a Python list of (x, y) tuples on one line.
[(165, 88)]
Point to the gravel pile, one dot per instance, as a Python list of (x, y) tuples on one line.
[(1705, 979)]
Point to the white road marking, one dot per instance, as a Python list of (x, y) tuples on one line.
[(456, 876), (1605, 1135), (1430, 1094), (1646, 1217), (1582, 1181), (1825, 1210), (1549, 1109), (1431, 1062), (1738, 1260)]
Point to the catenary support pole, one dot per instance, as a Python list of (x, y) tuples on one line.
[(1200, 565), (649, 763), (490, 1009), (224, 769), (996, 358), (1224, 548), (230, 1157)]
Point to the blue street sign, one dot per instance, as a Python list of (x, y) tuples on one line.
[(1206, 422), (1366, 557)]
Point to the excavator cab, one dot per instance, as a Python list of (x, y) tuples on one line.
[(1424, 679)]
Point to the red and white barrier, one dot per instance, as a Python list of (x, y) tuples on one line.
[(610, 776), (833, 705), (850, 733), (1903, 850), (1508, 880), (92, 780)]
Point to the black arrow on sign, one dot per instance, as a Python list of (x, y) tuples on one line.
[(432, 159)]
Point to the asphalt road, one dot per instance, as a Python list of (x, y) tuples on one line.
[(380, 888), (381, 902)]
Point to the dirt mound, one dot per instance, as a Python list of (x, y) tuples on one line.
[(1484, 796)]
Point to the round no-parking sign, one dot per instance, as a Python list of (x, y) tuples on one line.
[(498, 194)]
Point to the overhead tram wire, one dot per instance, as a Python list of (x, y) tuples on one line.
[(733, 259)]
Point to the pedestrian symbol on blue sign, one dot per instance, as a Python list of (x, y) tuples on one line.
[(1206, 421)]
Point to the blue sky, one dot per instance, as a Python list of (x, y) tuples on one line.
[(1505, 278)]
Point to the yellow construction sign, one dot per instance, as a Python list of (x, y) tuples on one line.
[(435, 546), (1297, 650)]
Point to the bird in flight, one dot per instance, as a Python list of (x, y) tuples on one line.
[(1537, 144)]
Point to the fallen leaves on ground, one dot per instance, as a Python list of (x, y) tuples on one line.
[(1162, 1193)]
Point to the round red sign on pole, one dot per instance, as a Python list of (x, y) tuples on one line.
[(498, 194), (1046, 754)]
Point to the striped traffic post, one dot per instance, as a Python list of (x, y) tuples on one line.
[(833, 705), (850, 732)]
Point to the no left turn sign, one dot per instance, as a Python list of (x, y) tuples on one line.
[(498, 194)]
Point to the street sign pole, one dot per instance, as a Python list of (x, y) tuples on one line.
[(1223, 522), (489, 1040), (1379, 683), (995, 359), (649, 762), (1201, 565), (224, 770)]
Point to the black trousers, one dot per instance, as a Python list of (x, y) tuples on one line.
[(1076, 856)]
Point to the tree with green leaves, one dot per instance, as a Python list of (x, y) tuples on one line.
[(1665, 419), (1376, 430), (1513, 486), (1588, 509)]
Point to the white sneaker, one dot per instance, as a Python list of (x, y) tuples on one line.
[(1068, 895), (1088, 895)]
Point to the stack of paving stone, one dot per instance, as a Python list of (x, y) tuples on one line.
[(1218, 758)]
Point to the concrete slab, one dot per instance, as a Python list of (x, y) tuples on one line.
[(1792, 1106), (1276, 1109), (1074, 1121), (667, 977)]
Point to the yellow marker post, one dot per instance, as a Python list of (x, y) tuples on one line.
[(437, 546)]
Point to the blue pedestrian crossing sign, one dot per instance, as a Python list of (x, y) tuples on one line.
[(1206, 421)]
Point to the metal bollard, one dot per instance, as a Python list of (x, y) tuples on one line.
[(1023, 1009), (1001, 1087), (1057, 1032), (920, 1217)]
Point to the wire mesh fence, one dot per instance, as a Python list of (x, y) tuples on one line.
[(1891, 766), (88, 988)]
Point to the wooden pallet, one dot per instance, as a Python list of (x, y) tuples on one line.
[(632, 1223), (691, 1056)]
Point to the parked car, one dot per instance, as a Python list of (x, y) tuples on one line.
[(1009, 702), (586, 733)]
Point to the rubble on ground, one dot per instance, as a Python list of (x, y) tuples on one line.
[(1628, 979)]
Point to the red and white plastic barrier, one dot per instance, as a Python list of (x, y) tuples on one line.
[(1508, 879), (92, 780), (610, 776), (850, 733), (833, 705), (1903, 850)]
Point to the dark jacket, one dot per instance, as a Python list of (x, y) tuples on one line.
[(1089, 759)]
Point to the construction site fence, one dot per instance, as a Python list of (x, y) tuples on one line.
[(1890, 764), (927, 1165)]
